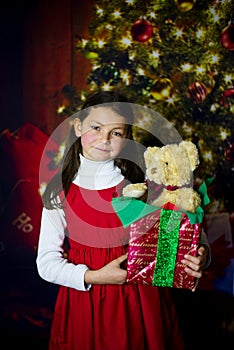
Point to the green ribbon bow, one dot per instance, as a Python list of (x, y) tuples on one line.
[(130, 209)]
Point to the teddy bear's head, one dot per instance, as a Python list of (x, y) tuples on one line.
[(172, 164)]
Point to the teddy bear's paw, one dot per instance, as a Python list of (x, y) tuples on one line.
[(134, 190)]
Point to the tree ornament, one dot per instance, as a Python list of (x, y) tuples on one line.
[(91, 55), (197, 91), (226, 97), (185, 6), (209, 82), (162, 89), (141, 30), (227, 36), (229, 153)]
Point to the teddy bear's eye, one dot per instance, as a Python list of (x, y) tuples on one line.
[(166, 163)]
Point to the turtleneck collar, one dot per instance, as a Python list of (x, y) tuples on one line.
[(97, 175)]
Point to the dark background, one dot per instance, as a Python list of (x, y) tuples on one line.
[(37, 59)]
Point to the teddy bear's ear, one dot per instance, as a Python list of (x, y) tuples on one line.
[(149, 155), (192, 152)]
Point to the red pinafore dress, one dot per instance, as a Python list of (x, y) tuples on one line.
[(108, 317)]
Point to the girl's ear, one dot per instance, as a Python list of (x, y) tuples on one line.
[(77, 127)]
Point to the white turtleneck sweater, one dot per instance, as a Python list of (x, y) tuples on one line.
[(51, 264)]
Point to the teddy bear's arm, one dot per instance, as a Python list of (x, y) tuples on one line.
[(134, 190)]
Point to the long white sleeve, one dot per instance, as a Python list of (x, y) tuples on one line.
[(204, 241), (51, 264)]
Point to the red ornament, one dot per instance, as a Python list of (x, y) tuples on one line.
[(227, 36), (141, 30), (197, 91), (226, 96), (229, 153)]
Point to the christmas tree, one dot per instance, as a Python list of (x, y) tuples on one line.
[(177, 58)]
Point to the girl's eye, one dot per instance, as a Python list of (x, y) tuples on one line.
[(117, 133), (95, 127)]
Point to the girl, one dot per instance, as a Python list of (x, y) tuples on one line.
[(95, 308)]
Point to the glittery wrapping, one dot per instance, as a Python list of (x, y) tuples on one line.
[(142, 249), (169, 229), (143, 246), (189, 239)]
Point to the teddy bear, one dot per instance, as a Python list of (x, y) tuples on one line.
[(170, 166)]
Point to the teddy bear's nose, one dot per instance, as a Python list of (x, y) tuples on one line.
[(153, 171)]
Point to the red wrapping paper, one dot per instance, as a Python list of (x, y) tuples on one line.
[(142, 256)]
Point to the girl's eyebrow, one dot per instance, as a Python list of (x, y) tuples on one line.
[(95, 121), (99, 123)]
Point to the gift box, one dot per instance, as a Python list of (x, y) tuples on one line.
[(159, 239), (158, 243)]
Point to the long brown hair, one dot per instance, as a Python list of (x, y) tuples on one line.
[(130, 169)]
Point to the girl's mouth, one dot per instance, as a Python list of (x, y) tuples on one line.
[(102, 149)]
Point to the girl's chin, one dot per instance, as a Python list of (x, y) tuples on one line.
[(98, 155)]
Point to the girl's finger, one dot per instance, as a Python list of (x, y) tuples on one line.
[(122, 258), (191, 258)]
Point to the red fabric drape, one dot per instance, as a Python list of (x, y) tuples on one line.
[(38, 42), (47, 61), (50, 57)]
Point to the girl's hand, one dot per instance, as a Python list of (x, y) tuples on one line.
[(195, 264), (111, 273)]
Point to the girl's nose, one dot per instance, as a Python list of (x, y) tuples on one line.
[(106, 137)]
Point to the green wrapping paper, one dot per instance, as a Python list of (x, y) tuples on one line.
[(169, 228), (130, 209)]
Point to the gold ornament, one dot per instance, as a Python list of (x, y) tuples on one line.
[(209, 82), (91, 55), (185, 6), (162, 89)]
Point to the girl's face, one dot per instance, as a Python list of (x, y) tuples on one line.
[(102, 133)]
